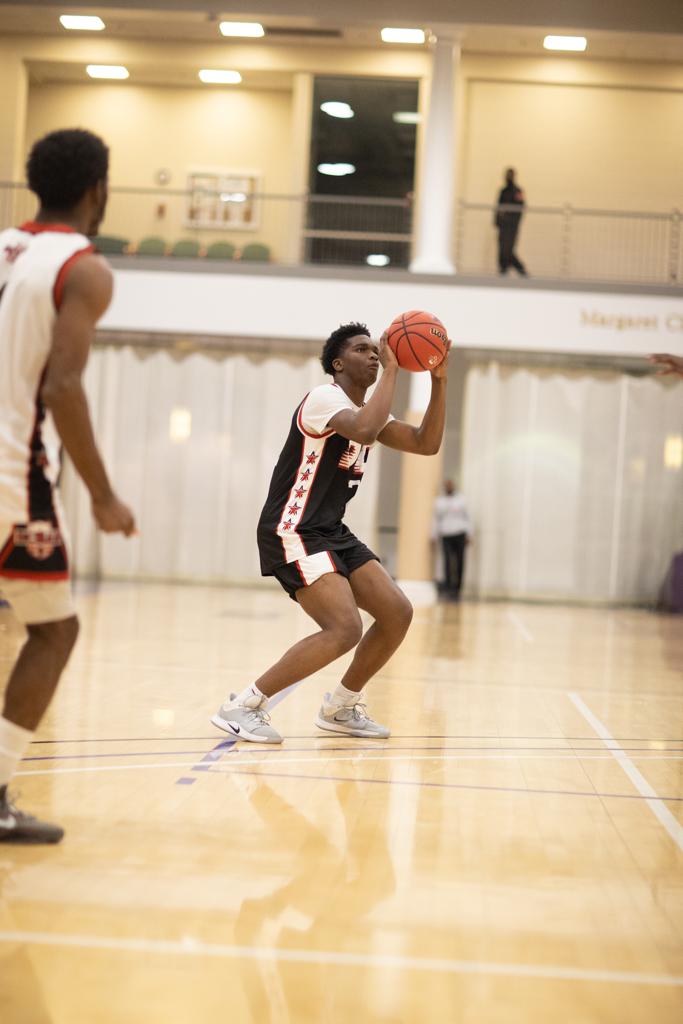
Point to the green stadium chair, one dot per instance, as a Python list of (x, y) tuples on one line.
[(256, 252), (186, 248), (112, 245), (151, 246), (221, 251)]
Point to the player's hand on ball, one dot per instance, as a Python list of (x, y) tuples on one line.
[(386, 354), (442, 369), (112, 516)]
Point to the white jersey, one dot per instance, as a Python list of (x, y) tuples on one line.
[(34, 262)]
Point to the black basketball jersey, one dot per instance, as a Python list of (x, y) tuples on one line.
[(317, 473)]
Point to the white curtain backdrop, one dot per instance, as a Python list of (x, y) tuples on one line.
[(197, 501), (567, 486)]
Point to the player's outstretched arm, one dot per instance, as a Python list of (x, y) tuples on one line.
[(85, 297), (667, 363), (425, 439), (365, 425)]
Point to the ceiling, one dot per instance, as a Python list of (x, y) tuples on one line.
[(655, 32)]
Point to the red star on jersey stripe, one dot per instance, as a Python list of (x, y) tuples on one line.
[(305, 475), (299, 492), (287, 525), (293, 509), (311, 459)]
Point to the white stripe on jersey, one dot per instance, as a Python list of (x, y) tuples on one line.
[(31, 259), (292, 513), (315, 566)]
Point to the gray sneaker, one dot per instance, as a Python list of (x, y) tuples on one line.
[(18, 827), (353, 721), (243, 722)]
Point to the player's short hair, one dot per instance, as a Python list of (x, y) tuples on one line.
[(337, 341), (63, 165)]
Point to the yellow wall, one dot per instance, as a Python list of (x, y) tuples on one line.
[(150, 127), (590, 133)]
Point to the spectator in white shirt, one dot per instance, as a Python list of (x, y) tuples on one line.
[(451, 525)]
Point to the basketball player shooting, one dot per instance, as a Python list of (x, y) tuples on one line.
[(53, 290), (305, 545)]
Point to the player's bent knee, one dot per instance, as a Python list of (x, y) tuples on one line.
[(348, 634)]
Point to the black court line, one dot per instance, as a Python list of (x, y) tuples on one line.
[(449, 785), (396, 736), (224, 745)]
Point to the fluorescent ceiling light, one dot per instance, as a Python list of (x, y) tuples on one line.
[(233, 197), (107, 71), (577, 43), (180, 425), (84, 22), (406, 117), (402, 35), (245, 29), (217, 77), (335, 108), (673, 451), (336, 170), (377, 259)]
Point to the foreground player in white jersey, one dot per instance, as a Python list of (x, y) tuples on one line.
[(53, 290), (304, 543)]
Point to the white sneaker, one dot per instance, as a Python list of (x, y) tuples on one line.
[(353, 721), (243, 722)]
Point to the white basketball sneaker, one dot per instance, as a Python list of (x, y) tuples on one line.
[(246, 721), (352, 721)]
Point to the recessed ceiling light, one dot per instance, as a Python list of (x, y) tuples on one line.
[(406, 117), (84, 22), (402, 35), (576, 43), (107, 71), (218, 77), (233, 197), (335, 108), (336, 170), (377, 259), (245, 29)]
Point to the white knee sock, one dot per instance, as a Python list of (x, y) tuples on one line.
[(343, 698), (251, 697), (14, 741)]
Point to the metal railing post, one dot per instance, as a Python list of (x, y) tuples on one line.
[(675, 246), (566, 241)]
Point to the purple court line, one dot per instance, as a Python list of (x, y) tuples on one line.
[(225, 745), (222, 748), (431, 736), (455, 785)]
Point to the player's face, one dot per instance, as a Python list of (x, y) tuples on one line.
[(361, 360)]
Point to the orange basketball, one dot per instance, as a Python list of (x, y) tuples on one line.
[(418, 340)]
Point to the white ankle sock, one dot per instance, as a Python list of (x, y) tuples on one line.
[(14, 741), (251, 697), (343, 698)]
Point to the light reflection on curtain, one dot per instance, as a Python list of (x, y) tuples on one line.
[(196, 501), (566, 483)]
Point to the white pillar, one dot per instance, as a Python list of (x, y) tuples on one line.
[(436, 194)]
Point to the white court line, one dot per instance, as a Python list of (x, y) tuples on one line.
[(517, 622), (195, 947), (654, 802), (324, 759)]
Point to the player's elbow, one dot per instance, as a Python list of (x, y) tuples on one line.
[(429, 447), (365, 435), (59, 390)]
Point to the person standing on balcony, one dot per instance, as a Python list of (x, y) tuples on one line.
[(451, 525), (53, 290), (507, 217)]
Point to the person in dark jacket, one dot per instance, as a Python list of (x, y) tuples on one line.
[(507, 217)]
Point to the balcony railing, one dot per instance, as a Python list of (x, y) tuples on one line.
[(554, 242)]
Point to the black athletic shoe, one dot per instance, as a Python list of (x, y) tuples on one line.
[(18, 827)]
